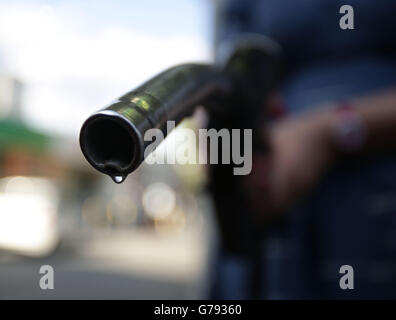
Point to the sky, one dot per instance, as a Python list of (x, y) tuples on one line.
[(74, 57)]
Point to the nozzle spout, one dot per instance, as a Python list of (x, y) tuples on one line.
[(112, 140)]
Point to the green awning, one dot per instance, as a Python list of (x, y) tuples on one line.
[(17, 134)]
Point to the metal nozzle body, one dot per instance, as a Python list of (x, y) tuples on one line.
[(112, 139)]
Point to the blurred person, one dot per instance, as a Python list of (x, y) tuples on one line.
[(327, 192)]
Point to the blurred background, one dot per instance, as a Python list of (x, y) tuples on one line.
[(150, 237)]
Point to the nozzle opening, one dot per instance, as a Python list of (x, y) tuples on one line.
[(108, 144)]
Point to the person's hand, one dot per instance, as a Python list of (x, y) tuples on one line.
[(300, 152)]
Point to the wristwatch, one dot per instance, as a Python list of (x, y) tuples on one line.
[(350, 130)]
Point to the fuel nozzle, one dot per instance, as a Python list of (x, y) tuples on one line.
[(112, 139)]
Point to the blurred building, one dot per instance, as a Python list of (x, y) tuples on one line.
[(10, 97), (56, 209), (145, 238)]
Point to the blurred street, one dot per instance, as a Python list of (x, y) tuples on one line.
[(122, 265)]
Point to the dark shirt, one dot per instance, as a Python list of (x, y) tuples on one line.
[(351, 218), (322, 61)]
